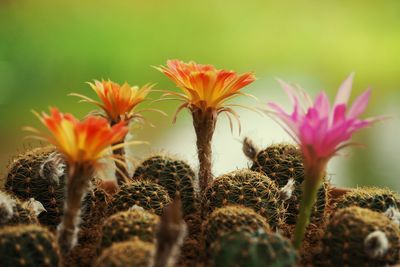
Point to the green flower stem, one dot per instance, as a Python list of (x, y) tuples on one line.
[(309, 195)]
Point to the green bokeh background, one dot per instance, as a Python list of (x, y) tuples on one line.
[(50, 48)]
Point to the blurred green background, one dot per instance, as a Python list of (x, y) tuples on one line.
[(51, 48)]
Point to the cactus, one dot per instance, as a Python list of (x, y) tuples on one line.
[(39, 174), (257, 249), (231, 218), (373, 198), (356, 236), (94, 207), (28, 246), (143, 193), (135, 253), (125, 225), (283, 163), (247, 188), (173, 174), (14, 212)]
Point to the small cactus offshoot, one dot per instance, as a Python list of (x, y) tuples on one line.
[(253, 249), (173, 174), (250, 189), (15, 212), (356, 236), (28, 246)]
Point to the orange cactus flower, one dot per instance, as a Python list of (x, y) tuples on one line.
[(117, 101), (205, 87), (80, 141)]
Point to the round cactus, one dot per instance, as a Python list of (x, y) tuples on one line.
[(148, 195), (283, 163), (173, 174), (134, 253), (28, 245), (359, 237), (231, 218), (126, 225), (257, 249), (373, 198), (39, 174), (13, 211), (247, 188)]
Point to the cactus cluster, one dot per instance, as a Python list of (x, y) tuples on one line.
[(146, 194), (40, 174), (253, 249), (356, 236), (28, 245), (174, 175), (134, 253), (126, 225), (250, 189), (283, 163)]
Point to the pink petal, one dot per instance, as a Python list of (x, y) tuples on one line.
[(339, 114), (344, 92), (322, 104), (289, 90), (359, 105)]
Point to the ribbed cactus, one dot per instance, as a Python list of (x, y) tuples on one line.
[(359, 237), (126, 225), (148, 195), (39, 174), (94, 207), (253, 249), (173, 174), (283, 163), (28, 246), (134, 253), (14, 212), (248, 188), (373, 198), (231, 218)]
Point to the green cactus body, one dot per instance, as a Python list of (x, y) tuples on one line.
[(126, 225), (13, 212), (349, 240), (148, 195), (373, 198), (175, 175), (282, 162), (28, 246), (231, 218), (257, 249), (134, 253), (247, 188), (36, 175)]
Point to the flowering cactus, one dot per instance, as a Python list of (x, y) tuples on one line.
[(321, 131), (119, 102), (82, 144), (205, 93)]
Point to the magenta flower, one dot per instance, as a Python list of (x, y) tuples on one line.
[(321, 131)]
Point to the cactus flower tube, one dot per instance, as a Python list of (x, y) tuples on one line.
[(205, 91), (321, 131), (82, 144), (119, 103)]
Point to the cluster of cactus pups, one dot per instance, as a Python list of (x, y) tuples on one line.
[(164, 215), (244, 218)]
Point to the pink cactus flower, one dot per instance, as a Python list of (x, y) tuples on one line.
[(321, 130)]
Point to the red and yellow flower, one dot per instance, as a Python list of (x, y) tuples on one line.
[(204, 87), (117, 101), (81, 142)]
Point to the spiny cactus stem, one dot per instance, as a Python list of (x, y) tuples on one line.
[(77, 186), (311, 185), (121, 175), (204, 125)]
